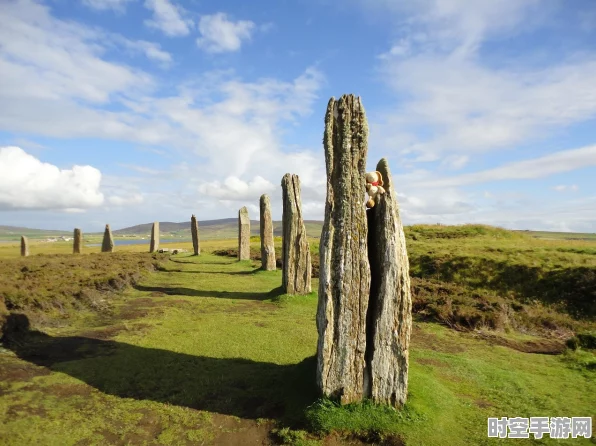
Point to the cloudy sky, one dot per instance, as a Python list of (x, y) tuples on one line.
[(130, 111)]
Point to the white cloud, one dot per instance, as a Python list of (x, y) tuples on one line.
[(563, 161), (118, 6), (235, 189), (57, 81), (143, 169), (27, 183), (167, 17), (151, 50), (118, 200), (220, 35), (44, 58), (452, 102), (565, 187)]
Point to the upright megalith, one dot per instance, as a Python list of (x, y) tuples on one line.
[(389, 319), (295, 254), (77, 242), (24, 246), (243, 234), (267, 246), (154, 245), (364, 315), (194, 230), (344, 272), (108, 240)]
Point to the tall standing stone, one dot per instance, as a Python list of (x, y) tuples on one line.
[(108, 240), (154, 245), (24, 246), (267, 246), (243, 234), (344, 275), (389, 319), (194, 229), (296, 263), (77, 241)]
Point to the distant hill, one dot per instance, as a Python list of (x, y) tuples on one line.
[(213, 229), (227, 228), (15, 233)]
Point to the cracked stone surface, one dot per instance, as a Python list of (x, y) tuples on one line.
[(344, 275), (364, 315), (266, 226), (296, 262), (243, 234), (389, 320)]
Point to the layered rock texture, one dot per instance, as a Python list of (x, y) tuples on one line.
[(344, 272), (266, 226), (154, 246), (243, 234), (389, 317), (364, 309), (108, 240), (194, 229), (296, 263), (77, 241)]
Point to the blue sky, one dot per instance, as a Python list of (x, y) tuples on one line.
[(131, 111)]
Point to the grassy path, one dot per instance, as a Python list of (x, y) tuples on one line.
[(207, 351)]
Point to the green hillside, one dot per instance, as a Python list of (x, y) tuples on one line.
[(227, 228)]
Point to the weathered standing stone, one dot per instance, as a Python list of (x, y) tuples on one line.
[(108, 240), (24, 246), (194, 229), (296, 263), (154, 245), (389, 318), (77, 241), (267, 246), (243, 234), (344, 275)]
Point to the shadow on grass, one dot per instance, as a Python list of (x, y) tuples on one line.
[(181, 291), (230, 273), (203, 262), (230, 386)]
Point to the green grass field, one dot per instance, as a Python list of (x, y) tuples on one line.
[(133, 348)]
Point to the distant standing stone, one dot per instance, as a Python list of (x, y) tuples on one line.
[(24, 246), (344, 274), (108, 240), (77, 241), (194, 229), (243, 234), (267, 246), (154, 246), (296, 263)]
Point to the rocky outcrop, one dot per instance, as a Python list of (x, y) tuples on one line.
[(344, 272), (108, 240), (194, 229), (266, 226), (243, 234), (389, 318), (154, 246), (77, 243), (295, 255), (24, 246)]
